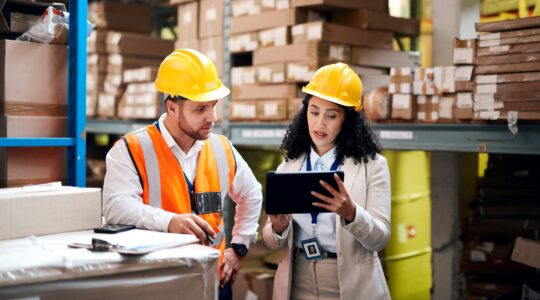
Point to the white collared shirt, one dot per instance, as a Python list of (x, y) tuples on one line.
[(326, 222), (122, 190)]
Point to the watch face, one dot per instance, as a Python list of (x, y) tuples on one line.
[(240, 249)]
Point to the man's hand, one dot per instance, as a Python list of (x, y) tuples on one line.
[(230, 268), (192, 224), (279, 222)]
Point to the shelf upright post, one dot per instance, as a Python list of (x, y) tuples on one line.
[(76, 171)]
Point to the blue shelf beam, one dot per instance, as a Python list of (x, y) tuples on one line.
[(37, 142), (77, 92)]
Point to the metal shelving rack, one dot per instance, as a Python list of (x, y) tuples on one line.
[(489, 138), (76, 140)]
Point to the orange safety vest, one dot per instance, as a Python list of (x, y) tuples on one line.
[(164, 183)]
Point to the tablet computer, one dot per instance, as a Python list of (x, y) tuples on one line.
[(290, 193)]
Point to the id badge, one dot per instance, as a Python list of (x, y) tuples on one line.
[(312, 249), (207, 203)]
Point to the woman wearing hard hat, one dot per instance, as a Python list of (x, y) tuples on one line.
[(334, 255)]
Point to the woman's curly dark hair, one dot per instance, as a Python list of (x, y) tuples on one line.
[(355, 140)]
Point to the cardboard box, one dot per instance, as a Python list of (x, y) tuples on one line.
[(464, 86), (119, 63), (31, 165), (424, 74), (508, 49), (188, 21), (243, 76), (516, 24), (127, 17), (507, 78), (106, 106), (463, 73), (272, 110), (527, 252), (254, 284), (365, 19), (384, 58), (193, 44), (213, 48), (508, 59), (279, 36), (96, 63), (447, 108), (97, 42), (373, 5), (267, 20), (273, 73), (521, 105), (295, 105), (401, 75), (138, 45), (211, 18), (67, 209), (508, 34), (91, 103), (33, 78), (244, 42), (243, 110), (464, 106), (399, 88), (403, 107), (509, 41), (179, 1), (273, 91), (301, 71), (424, 88), (507, 87), (323, 53), (146, 74), (427, 109), (33, 126), (522, 115), (241, 8), (464, 51), (334, 33), (444, 79)]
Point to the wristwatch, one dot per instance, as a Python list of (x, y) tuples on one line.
[(239, 249)]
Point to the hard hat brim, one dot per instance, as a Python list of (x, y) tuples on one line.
[(216, 94), (330, 98)]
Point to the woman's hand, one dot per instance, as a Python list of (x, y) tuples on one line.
[(279, 222), (340, 203)]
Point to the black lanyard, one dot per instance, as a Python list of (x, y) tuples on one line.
[(334, 167)]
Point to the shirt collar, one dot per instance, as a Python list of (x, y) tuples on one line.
[(327, 159), (170, 140)]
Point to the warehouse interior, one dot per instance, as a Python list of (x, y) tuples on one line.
[(451, 91)]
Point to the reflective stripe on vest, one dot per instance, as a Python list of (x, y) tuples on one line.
[(164, 184)]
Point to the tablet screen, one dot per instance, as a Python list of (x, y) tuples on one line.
[(288, 193)]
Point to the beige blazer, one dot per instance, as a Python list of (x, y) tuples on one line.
[(359, 268)]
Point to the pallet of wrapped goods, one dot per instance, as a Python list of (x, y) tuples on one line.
[(127, 17), (464, 52), (334, 33), (508, 49), (403, 107), (326, 5), (377, 104), (267, 20), (324, 53), (370, 57), (517, 24), (365, 19), (427, 109)]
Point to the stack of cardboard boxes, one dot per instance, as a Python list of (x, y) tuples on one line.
[(403, 104), (464, 56), (33, 104), (287, 41), (508, 70), (121, 42)]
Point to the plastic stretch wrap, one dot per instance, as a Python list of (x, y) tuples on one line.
[(45, 267)]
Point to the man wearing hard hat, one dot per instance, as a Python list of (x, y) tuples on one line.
[(174, 175)]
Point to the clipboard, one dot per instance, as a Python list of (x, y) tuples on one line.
[(290, 193)]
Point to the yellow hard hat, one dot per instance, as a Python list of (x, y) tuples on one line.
[(191, 75), (337, 83)]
